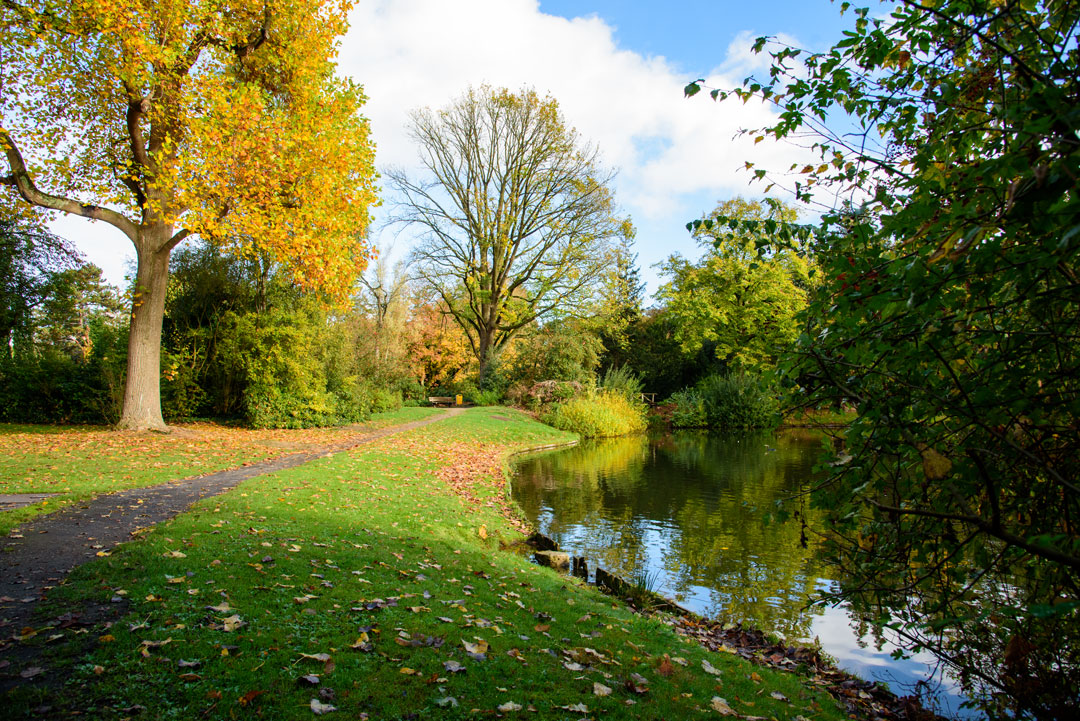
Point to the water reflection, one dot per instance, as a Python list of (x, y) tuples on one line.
[(702, 516)]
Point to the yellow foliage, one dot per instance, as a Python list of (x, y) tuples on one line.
[(217, 118)]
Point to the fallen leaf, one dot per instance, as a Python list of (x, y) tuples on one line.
[(249, 697), (309, 679), (174, 554), (481, 646), (446, 701), (665, 668), (721, 706), (322, 657), (600, 689), (709, 668), (31, 672), (453, 667), (231, 623), (576, 707), (509, 706), (779, 696), (408, 671), (319, 708)]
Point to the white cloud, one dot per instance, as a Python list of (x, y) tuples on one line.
[(412, 53)]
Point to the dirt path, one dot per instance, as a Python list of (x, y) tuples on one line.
[(51, 546)]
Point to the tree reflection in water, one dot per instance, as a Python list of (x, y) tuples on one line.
[(703, 515)]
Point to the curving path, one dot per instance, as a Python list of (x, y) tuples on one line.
[(52, 546)]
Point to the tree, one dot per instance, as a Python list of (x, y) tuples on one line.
[(182, 117), (515, 212), (619, 304), (948, 315), (29, 259), (741, 305), (436, 345)]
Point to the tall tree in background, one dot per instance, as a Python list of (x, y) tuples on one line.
[(181, 117), (619, 304), (743, 307), (516, 214), (948, 314)]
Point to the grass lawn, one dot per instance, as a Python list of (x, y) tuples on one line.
[(373, 582), (81, 462)]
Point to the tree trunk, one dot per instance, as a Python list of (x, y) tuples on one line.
[(142, 389)]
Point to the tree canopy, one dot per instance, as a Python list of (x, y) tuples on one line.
[(515, 212), (183, 117), (741, 306), (948, 315)]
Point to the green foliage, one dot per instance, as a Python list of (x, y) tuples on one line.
[(63, 351), (487, 398), (740, 303), (689, 409), (599, 414), (948, 317), (242, 342), (622, 380), (558, 351), (727, 401), (655, 354)]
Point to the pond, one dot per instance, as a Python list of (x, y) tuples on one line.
[(696, 515)]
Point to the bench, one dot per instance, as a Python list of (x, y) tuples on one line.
[(441, 400)]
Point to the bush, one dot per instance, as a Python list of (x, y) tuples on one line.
[(622, 380), (727, 401), (600, 414), (689, 409), (487, 398)]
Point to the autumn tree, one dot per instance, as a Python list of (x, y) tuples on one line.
[(514, 211), (180, 117)]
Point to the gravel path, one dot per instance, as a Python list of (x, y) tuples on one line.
[(52, 545)]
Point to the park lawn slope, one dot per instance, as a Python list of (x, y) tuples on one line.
[(373, 581), (82, 462)]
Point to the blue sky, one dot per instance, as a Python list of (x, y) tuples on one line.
[(617, 70), (695, 33)]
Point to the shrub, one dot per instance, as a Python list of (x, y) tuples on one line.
[(738, 401), (622, 380), (689, 409), (490, 397), (600, 414)]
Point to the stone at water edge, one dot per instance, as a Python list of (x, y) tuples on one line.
[(553, 559)]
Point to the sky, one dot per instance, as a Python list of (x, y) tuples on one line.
[(617, 69)]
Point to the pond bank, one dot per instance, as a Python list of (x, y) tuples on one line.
[(699, 518), (370, 582)]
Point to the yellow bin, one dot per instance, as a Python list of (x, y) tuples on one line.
[(459, 399)]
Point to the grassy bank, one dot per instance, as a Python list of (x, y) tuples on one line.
[(373, 582), (79, 462)]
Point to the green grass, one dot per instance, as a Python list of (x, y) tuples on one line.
[(810, 417), (80, 462), (302, 556)]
